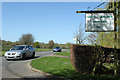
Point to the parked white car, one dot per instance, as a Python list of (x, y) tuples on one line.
[(20, 52)]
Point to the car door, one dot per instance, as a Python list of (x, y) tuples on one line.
[(27, 51), (31, 51)]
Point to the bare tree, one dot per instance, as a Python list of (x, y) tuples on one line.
[(51, 44), (80, 35), (92, 37), (27, 39)]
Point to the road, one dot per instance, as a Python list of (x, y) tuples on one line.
[(15, 69)]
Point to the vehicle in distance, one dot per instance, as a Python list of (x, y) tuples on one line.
[(20, 52), (57, 49)]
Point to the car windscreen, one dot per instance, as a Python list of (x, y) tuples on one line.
[(18, 48)]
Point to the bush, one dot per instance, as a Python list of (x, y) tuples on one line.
[(36, 45)]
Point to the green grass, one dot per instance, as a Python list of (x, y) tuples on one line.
[(40, 49), (60, 66), (2, 53), (65, 53)]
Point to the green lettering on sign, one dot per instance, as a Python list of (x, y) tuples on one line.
[(99, 16), (99, 26), (99, 21)]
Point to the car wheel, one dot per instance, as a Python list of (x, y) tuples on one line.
[(24, 57), (33, 55)]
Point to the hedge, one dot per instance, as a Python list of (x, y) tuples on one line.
[(84, 57)]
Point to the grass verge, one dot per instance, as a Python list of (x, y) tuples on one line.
[(60, 66), (65, 53), (40, 49)]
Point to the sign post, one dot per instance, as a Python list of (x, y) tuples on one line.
[(99, 21), (102, 21)]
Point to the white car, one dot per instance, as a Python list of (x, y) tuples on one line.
[(20, 52)]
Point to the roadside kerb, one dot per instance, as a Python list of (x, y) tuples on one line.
[(44, 73), (35, 70)]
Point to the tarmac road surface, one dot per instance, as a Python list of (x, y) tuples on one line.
[(18, 69)]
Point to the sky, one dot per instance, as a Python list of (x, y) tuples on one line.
[(57, 21)]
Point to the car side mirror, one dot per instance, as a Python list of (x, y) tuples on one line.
[(26, 48)]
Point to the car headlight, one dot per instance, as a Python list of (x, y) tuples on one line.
[(8, 53), (19, 53), (13, 53)]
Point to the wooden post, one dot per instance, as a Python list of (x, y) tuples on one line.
[(118, 35), (76, 40), (115, 41)]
